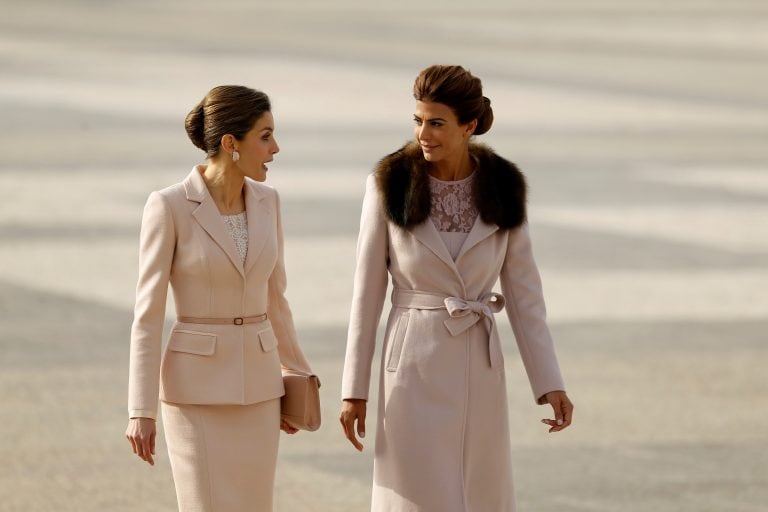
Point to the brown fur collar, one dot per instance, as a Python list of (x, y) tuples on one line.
[(499, 192)]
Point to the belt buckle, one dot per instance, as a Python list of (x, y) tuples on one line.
[(238, 321)]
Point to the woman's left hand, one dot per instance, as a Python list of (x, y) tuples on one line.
[(287, 428), (563, 409)]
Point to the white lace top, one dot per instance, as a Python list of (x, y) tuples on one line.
[(453, 210), (237, 225)]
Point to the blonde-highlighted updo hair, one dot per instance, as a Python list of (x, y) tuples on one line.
[(460, 90), (226, 109)]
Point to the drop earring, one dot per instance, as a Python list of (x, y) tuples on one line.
[(235, 156)]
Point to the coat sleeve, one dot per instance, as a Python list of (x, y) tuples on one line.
[(278, 310), (157, 243), (370, 287), (522, 290)]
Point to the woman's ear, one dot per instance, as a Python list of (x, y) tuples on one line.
[(228, 142), (471, 127)]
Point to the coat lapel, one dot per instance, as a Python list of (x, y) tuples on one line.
[(480, 231), (259, 221), (427, 234), (209, 218)]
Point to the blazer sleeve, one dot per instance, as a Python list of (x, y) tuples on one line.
[(157, 243), (522, 290), (370, 288), (278, 310)]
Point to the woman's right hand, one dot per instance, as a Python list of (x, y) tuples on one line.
[(141, 434), (353, 409)]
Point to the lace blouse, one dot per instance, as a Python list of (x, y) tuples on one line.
[(237, 225), (453, 210)]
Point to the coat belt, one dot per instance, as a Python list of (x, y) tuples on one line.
[(462, 314)]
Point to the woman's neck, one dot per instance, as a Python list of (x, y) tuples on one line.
[(226, 188), (453, 169)]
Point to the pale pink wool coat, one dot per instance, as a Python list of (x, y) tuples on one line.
[(442, 437)]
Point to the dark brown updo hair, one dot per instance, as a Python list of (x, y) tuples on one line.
[(226, 109), (459, 89)]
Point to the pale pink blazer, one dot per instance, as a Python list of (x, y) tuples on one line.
[(184, 242)]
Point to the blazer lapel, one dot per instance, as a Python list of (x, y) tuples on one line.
[(479, 232), (259, 222), (427, 234), (209, 218)]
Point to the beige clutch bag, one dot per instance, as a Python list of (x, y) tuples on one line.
[(300, 406)]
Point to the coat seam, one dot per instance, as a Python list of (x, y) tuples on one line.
[(464, 420)]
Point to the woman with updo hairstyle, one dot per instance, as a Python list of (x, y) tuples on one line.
[(445, 219), (217, 238)]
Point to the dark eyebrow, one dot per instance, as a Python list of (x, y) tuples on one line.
[(430, 120), (267, 129)]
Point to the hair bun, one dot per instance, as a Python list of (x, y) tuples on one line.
[(485, 120), (194, 123)]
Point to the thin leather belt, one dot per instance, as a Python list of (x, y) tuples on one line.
[(463, 314), (223, 321)]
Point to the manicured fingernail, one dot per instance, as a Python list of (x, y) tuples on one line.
[(544, 421), (362, 434), (559, 422)]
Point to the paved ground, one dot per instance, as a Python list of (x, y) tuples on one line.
[(642, 127)]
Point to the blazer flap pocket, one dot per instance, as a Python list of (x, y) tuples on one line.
[(268, 340), (193, 342)]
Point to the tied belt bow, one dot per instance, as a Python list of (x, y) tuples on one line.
[(463, 314)]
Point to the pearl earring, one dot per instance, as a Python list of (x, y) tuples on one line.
[(235, 156)]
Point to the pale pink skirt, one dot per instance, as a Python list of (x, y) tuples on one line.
[(223, 457)]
